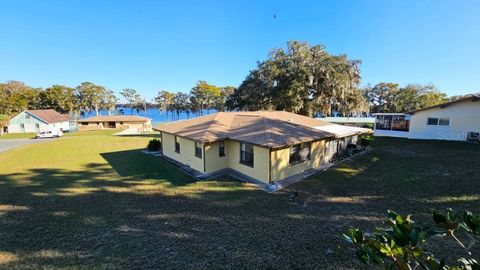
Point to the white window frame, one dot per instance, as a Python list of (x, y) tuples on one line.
[(221, 144), (438, 121), (243, 154), (449, 122), (428, 120)]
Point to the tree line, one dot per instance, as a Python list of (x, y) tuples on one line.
[(390, 97), (308, 80), (302, 78), (87, 97), (202, 98)]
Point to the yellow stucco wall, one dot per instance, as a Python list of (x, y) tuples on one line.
[(142, 126), (464, 117), (280, 161), (263, 157), (213, 162), (187, 151), (260, 170), (88, 126)]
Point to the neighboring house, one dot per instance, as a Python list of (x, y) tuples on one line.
[(142, 124), (40, 120), (266, 146), (455, 120)]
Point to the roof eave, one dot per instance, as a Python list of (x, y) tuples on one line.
[(38, 117)]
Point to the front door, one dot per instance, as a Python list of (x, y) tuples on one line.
[(111, 124)]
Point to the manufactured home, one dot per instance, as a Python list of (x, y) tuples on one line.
[(457, 120), (265, 146), (34, 121)]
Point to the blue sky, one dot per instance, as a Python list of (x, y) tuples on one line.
[(169, 45)]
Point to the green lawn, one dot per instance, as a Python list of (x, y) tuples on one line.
[(93, 200)]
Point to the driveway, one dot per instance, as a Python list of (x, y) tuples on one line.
[(6, 144)]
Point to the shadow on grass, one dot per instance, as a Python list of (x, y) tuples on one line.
[(136, 165), (406, 175), (138, 212), (61, 219)]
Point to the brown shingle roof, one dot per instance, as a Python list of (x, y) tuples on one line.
[(115, 118), (272, 129), (50, 116)]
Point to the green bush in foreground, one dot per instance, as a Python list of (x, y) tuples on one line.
[(366, 139), (154, 145), (399, 245)]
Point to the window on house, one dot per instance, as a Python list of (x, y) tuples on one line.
[(27, 116), (221, 148), (37, 126), (198, 150), (246, 154), (438, 121), (432, 121), (22, 126), (177, 145), (444, 122), (299, 153)]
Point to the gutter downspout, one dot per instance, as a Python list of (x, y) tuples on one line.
[(269, 165), (161, 141), (204, 159)]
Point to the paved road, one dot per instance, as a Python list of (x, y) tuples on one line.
[(6, 144)]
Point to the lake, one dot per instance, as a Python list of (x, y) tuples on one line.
[(155, 114)]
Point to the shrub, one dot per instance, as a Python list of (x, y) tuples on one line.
[(366, 139), (154, 145), (401, 243), (368, 125)]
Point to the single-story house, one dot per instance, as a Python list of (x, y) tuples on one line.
[(142, 124), (40, 120), (457, 120), (265, 146)]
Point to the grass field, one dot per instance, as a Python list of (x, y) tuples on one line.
[(92, 200)]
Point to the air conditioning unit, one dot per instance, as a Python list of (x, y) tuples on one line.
[(473, 137)]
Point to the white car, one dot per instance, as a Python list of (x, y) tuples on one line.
[(49, 134)]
